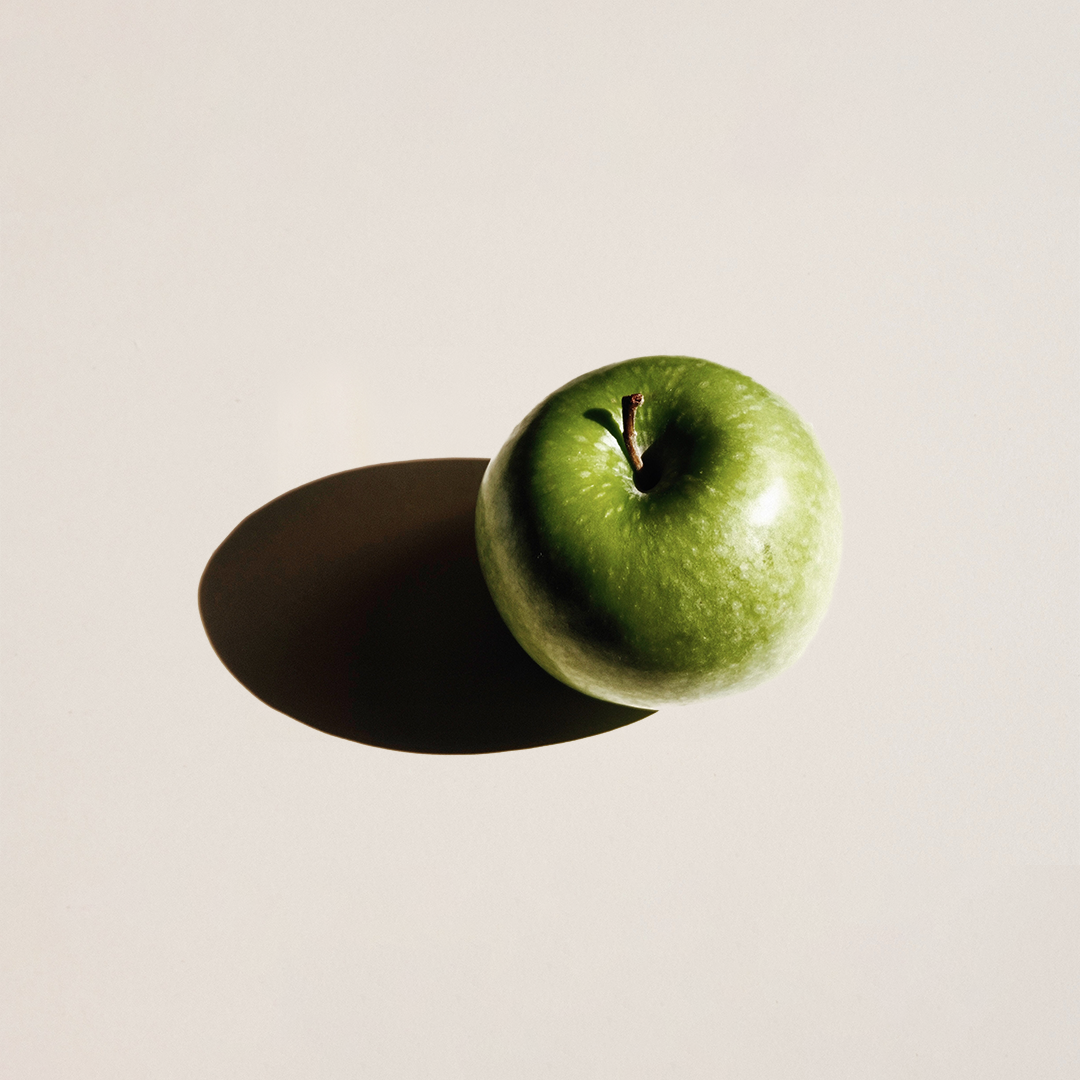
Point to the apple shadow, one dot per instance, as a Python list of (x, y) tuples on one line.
[(355, 604)]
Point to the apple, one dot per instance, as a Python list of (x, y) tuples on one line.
[(660, 531)]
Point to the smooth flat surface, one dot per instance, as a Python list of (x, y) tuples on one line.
[(248, 246)]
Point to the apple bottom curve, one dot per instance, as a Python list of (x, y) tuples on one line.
[(355, 604)]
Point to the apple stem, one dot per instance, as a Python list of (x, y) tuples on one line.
[(630, 405)]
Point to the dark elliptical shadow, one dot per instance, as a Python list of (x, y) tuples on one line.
[(356, 605)]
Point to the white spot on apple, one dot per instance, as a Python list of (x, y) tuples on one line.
[(768, 504)]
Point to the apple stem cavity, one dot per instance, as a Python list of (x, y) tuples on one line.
[(630, 405)]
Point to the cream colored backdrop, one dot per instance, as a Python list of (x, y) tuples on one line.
[(248, 244)]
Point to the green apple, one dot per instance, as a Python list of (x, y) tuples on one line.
[(660, 531)]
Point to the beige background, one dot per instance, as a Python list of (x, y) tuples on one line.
[(249, 244)]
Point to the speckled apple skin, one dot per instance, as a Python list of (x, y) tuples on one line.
[(710, 582)]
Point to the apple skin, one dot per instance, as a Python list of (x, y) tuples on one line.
[(709, 582)]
